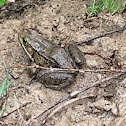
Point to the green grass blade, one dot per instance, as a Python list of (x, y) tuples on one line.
[(2, 2), (110, 5), (92, 10), (101, 4), (94, 7), (119, 6), (4, 108), (3, 85)]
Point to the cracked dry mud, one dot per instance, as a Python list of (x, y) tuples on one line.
[(65, 21)]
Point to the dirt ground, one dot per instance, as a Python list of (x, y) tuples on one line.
[(65, 21)]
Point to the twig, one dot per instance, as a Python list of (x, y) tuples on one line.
[(101, 35), (63, 105), (18, 110), (52, 106), (67, 69), (75, 93), (18, 65)]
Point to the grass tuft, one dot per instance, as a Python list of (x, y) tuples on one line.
[(112, 6)]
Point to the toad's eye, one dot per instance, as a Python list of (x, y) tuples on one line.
[(24, 41)]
